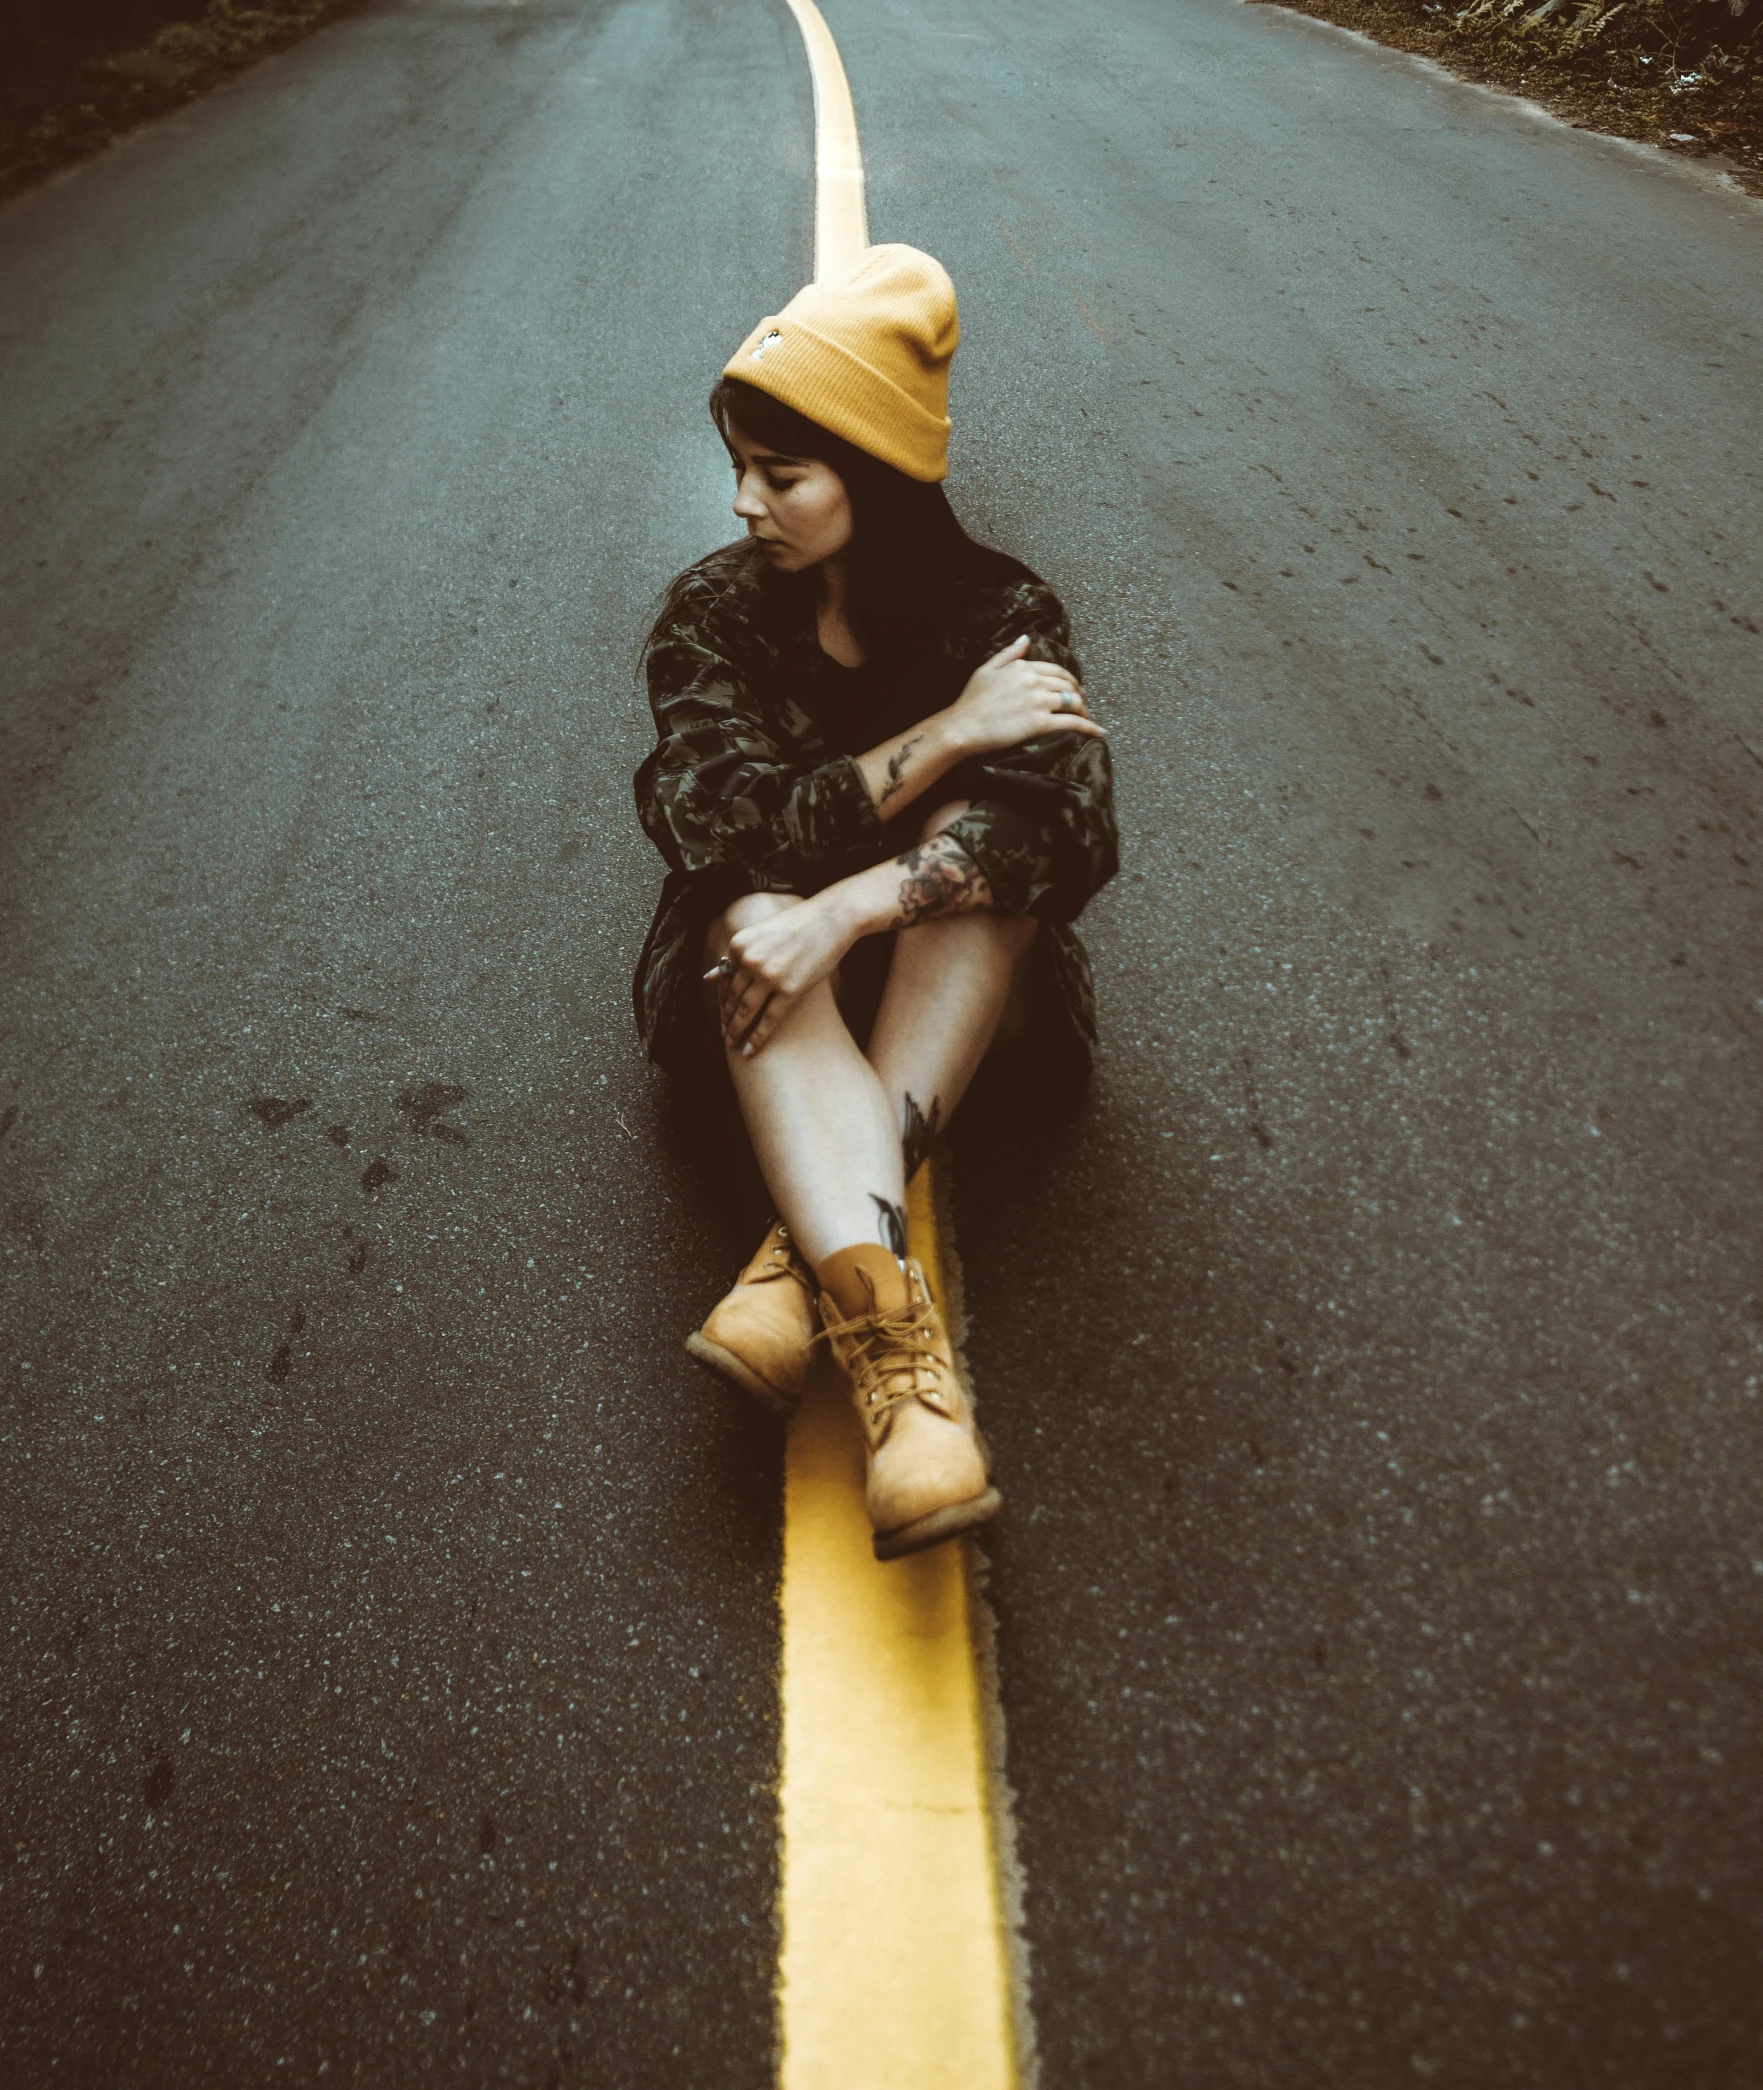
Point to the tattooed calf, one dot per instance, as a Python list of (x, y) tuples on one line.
[(893, 1223), (920, 1135)]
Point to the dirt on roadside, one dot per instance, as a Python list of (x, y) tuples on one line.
[(1686, 75), (75, 74)]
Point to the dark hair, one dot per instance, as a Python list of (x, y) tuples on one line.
[(910, 563)]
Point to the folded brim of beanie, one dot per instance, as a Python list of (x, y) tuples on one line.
[(824, 380)]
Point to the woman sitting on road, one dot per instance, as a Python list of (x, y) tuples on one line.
[(882, 802)]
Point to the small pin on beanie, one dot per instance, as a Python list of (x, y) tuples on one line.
[(866, 353)]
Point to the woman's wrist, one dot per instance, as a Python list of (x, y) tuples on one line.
[(949, 737), (863, 904)]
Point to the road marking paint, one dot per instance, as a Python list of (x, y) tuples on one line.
[(895, 1967), (840, 230), (895, 1958)]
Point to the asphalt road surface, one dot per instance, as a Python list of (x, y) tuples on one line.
[(1372, 1359)]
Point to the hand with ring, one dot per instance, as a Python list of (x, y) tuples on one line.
[(1012, 699), (769, 967)]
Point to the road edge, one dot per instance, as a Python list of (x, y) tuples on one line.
[(1712, 172)]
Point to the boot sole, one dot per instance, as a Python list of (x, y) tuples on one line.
[(940, 1525), (727, 1365)]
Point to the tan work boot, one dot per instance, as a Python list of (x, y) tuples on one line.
[(761, 1335), (927, 1466)]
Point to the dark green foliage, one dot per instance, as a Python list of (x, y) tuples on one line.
[(1692, 39), (45, 39)]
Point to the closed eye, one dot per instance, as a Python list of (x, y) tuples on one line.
[(776, 483)]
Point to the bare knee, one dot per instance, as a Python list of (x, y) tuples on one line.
[(742, 914), (944, 816)]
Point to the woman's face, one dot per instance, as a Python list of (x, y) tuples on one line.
[(797, 507)]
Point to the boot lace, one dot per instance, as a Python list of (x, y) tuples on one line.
[(888, 1351)]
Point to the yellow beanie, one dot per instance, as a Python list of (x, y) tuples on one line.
[(867, 355)]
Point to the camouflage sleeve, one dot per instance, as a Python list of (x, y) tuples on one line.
[(718, 791), (1041, 826)]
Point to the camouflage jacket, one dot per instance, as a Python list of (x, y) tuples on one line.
[(752, 785)]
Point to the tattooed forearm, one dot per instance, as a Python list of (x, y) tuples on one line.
[(938, 878), (920, 1135), (893, 1224), (896, 775)]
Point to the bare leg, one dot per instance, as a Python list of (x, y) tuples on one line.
[(955, 988), (826, 1139)]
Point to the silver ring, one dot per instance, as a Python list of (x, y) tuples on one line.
[(725, 965)]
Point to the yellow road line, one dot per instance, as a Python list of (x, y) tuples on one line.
[(894, 1963), (895, 1971), (840, 233)]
